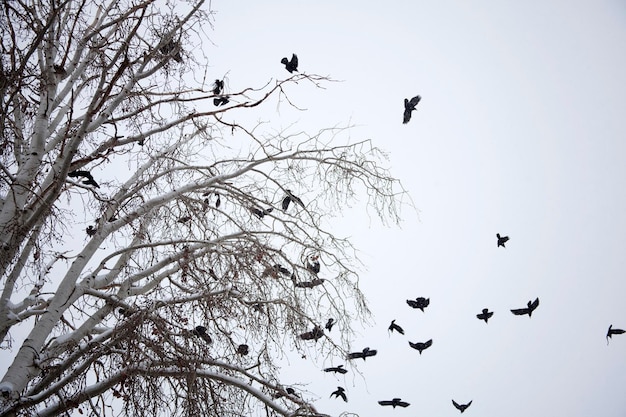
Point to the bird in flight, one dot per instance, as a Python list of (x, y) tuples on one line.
[(261, 213), (531, 306), (396, 402), (309, 284), (393, 326), (289, 198), (218, 87), (314, 334), (613, 331), (292, 65), (329, 324), (336, 369), (88, 178), (409, 106), (340, 392), (419, 302), (365, 353), (502, 240), (461, 407), (220, 101), (421, 346), (201, 332), (485, 315)]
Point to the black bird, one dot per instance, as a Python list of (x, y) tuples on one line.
[(365, 353), (218, 200), (393, 326), (409, 106), (91, 231), (292, 65), (314, 334), (184, 219), (419, 302), (289, 391), (260, 213), (243, 349), (289, 198), (218, 87), (395, 402), (461, 407), (502, 240), (340, 392), (172, 48), (201, 332), (421, 346), (220, 101), (485, 315), (313, 264), (613, 331), (336, 369), (329, 324), (531, 306), (309, 284), (88, 178), (281, 269)]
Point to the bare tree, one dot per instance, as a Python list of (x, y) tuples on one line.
[(145, 262)]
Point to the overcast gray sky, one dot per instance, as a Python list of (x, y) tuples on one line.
[(520, 131)]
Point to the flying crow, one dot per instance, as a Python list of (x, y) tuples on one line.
[(613, 331), (485, 315), (260, 213), (336, 369), (292, 65), (289, 198), (220, 101), (309, 284), (395, 402), (393, 326), (421, 346), (340, 392), (365, 353), (218, 87), (531, 306), (314, 334), (419, 302), (502, 240), (88, 178), (409, 106), (461, 407)]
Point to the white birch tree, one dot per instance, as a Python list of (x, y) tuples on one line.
[(148, 267)]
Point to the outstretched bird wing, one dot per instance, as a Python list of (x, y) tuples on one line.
[(294, 61), (520, 311), (534, 304)]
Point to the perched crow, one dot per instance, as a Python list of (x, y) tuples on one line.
[(336, 369), (281, 269), (395, 402), (260, 213), (201, 332), (409, 106), (289, 198), (292, 65), (613, 331), (340, 392), (184, 219), (88, 178), (314, 334), (421, 346), (531, 306), (485, 315), (461, 407), (502, 240), (220, 101), (172, 48), (91, 231), (289, 391), (365, 353), (313, 266), (329, 324), (419, 302), (218, 87), (309, 284), (393, 326), (243, 349)]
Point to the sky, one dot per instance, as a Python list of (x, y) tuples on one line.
[(520, 131)]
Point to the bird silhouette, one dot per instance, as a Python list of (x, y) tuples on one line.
[(485, 315), (292, 65), (184, 219), (393, 326), (396, 402), (243, 349), (461, 407), (531, 306), (309, 284), (313, 264), (421, 346), (200, 331), (278, 268), (365, 353), (336, 369), (340, 392), (314, 334), (88, 178), (218, 200), (409, 106), (289, 198), (261, 213), (220, 101), (218, 87), (613, 331), (91, 231), (172, 48), (419, 302), (329, 324), (502, 240)]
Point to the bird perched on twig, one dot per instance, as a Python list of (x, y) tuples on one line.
[(289, 198), (409, 106), (393, 326), (243, 349), (313, 264), (531, 306), (613, 331), (396, 402), (365, 353), (485, 315), (336, 369), (502, 240), (292, 65), (461, 407), (421, 346), (419, 302), (340, 392)]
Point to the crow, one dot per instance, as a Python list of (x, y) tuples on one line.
[(340, 392), (395, 402), (220, 101), (184, 219), (289, 391), (485, 315), (289, 198), (336, 369), (502, 240), (365, 353), (461, 407), (218, 87), (218, 200), (329, 324), (243, 349), (172, 48), (393, 326), (88, 178), (91, 231), (409, 106), (201, 332), (314, 334), (260, 213), (613, 331), (313, 266), (292, 65), (419, 302), (531, 306), (421, 346), (309, 284), (281, 269)]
